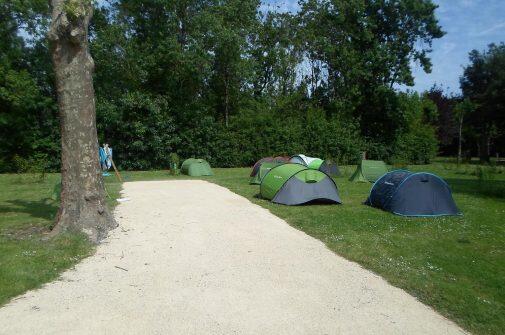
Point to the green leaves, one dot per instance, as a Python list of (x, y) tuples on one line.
[(224, 80)]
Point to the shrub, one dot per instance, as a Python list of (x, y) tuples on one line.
[(417, 146)]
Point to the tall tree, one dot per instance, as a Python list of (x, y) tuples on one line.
[(83, 205), (27, 120), (483, 82), (461, 110), (447, 128)]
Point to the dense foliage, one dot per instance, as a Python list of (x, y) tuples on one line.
[(483, 83), (477, 117), (228, 81)]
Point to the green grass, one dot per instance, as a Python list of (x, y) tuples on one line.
[(455, 264), (28, 258)]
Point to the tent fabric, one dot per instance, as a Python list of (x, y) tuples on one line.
[(315, 163), (369, 171), (278, 159), (281, 159), (302, 159), (196, 167), (330, 168), (262, 171), (412, 194), (295, 184)]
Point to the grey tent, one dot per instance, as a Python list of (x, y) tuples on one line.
[(330, 168), (412, 194), (295, 184)]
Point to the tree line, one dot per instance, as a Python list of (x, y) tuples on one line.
[(229, 81)]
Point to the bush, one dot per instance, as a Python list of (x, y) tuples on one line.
[(140, 130), (418, 146), (416, 142)]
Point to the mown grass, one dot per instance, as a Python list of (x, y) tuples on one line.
[(455, 264), (28, 258)]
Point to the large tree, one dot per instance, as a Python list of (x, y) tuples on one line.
[(447, 123), (359, 50), (483, 83), (83, 205)]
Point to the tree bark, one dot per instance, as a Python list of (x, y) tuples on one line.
[(484, 151), (226, 100), (83, 207), (460, 138)]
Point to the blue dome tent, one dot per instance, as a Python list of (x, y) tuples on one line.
[(412, 194)]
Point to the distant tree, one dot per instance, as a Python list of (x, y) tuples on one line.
[(368, 42), (28, 129), (358, 50), (234, 23), (447, 128), (83, 205), (483, 83), (275, 56), (461, 110)]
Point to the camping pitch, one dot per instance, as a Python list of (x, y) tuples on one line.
[(264, 168), (304, 160), (295, 184), (277, 159), (325, 166), (196, 167), (412, 194), (369, 170)]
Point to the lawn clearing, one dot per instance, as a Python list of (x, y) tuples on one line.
[(455, 264), (27, 258)]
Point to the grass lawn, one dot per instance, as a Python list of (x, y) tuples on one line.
[(27, 258), (455, 264)]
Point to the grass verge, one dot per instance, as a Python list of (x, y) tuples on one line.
[(454, 264), (27, 259)]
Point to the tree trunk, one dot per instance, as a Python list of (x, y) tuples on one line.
[(460, 139), (226, 101), (83, 207), (484, 149)]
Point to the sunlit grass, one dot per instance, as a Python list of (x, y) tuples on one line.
[(28, 258), (455, 264)]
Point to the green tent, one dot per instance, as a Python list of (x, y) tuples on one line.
[(369, 171), (315, 163), (262, 171), (295, 184), (326, 166), (196, 167)]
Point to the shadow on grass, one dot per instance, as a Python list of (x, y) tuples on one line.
[(489, 188), (44, 209)]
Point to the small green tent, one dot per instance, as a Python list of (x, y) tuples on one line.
[(262, 171), (196, 167), (295, 184), (369, 171)]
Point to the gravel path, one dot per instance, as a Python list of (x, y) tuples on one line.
[(191, 257)]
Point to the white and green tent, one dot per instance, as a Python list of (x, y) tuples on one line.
[(315, 163)]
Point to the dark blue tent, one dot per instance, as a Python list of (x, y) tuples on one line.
[(412, 194)]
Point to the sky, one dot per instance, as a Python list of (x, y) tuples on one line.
[(469, 24)]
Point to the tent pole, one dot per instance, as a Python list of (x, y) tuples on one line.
[(116, 171)]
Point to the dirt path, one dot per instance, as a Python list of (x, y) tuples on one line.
[(191, 257)]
